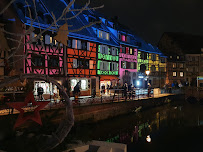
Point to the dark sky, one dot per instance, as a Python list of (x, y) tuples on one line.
[(149, 19)]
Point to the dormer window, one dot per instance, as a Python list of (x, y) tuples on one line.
[(122, 37), (104, 35)]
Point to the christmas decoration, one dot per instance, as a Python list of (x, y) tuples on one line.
[(62, 34), (20, 105)]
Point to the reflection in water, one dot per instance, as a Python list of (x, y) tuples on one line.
[(166, 125)]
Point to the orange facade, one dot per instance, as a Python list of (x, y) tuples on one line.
[(81, 62)]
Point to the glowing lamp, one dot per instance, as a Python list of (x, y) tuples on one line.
[(147, 72), (148, 139), (138, 83)]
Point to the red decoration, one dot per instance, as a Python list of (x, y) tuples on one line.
[(19, 105)]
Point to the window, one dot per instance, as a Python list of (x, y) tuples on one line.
[(73, 84), (114, 66), (178, 57), (113, 51), (83, 45), (47, 39), (123, 64), (83, 63), (153, 68), (174, 65), (133, 65), (131, 51), (107, 36), (104, 49), (104, 65), (74, 44), (83, 84), (75, 65), (181, 74), (91, 64), (123, 50), (100, 34), (181, 65), (79, 44), (69, 43), (122, 37), (53, 62), (174, 74), (153, 57), (38, 61)]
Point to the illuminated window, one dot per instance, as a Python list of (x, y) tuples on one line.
[(41, 38), (107, 36), (91, 64), (181, 74), (83, 84), (131, 51), (178, 57), (174, 74), (123, 37), (100, 34), (51, 39), (123, 64), (174, 65)]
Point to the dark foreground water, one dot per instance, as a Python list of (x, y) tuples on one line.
[(177, 126)]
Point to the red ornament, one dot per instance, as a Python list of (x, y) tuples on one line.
[(19, 105)]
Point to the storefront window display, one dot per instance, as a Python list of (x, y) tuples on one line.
[(48, 87), (83, 85)]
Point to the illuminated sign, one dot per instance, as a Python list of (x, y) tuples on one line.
[(102, 72)]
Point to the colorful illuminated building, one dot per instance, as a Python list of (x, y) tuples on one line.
[(157, 67), (104, 54)]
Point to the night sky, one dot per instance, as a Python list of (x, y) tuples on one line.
[(149, 19)]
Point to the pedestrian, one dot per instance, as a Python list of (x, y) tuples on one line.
[(130, 90), (93, 92), (149, 89), (125, 91), (40, 92), (76, 91)]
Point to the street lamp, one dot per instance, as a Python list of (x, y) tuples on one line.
[(147, 72)]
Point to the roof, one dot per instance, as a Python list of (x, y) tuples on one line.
[(188, 43), (45, 18)]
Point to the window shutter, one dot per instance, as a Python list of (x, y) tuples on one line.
[(88, 46), (47, 39), (74, 44), (75, 63), (78, 44), (106, 50)]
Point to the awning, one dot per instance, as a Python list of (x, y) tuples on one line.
[(108, 77)]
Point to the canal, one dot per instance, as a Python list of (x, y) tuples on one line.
[(177, 126)]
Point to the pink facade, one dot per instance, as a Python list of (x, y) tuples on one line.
[(44, 52), (127, 58)]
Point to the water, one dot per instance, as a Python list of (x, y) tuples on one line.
[(174, 127)]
